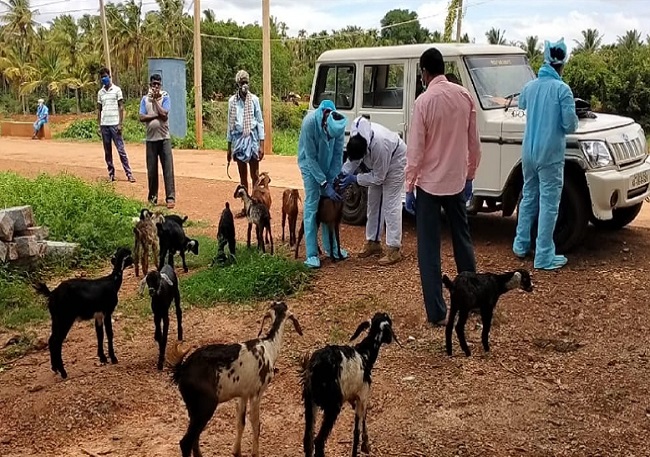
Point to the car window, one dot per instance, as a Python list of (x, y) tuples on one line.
[(383, 86), (335, 83), (495, 78)]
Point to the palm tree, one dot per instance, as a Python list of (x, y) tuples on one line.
[(631, 40), (17, 68), (533, 48), (18, 21), (496, 36), (52, 75), (591, 41)]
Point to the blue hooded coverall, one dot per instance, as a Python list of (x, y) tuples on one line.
[(550, 116), (320, 159)]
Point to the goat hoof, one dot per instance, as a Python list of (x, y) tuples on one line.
[(103, 359), (365, 448), (64, 375), (113, 359), (160, 366)]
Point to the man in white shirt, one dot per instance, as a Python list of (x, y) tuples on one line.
[(110, 116)]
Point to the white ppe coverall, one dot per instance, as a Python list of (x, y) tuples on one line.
[(383, 174)]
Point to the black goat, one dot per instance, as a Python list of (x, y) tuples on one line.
[(163, 288), (470, 291), (81, 299), (217, 373), (176, 218), (173, 239), (225, 236), (335, 375)]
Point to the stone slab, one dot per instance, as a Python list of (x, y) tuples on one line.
[(21, 216)]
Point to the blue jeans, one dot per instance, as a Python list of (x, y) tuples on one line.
[(427, 210), (111, 135)]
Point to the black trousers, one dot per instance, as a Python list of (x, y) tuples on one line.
[(160, 150), (428, 221)]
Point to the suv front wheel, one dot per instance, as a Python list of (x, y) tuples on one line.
[(572, 218)]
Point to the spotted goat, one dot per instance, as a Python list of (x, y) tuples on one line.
[(257, 213), (217, 373), (146, 241), (335, 375)]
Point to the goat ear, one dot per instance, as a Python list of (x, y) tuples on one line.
[(362, 326), (296, 324), (266, 316), (165, 278)]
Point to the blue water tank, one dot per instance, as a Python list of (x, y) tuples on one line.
[(173, 74)]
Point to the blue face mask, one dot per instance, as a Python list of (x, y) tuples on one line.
[(106, 80)]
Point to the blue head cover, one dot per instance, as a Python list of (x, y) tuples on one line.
[(555, 53)]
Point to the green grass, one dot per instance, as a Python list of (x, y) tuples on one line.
[(254, 277), (93, 215)]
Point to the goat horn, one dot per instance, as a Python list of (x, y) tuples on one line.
[(395, 337), (266, 316)]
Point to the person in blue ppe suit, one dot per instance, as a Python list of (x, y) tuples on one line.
[(320, 159), (550, 116)]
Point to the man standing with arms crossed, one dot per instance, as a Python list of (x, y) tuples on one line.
[(443, 153), (110, 117)]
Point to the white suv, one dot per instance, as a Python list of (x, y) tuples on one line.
[(607, 174)]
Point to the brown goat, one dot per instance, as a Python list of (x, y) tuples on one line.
[(290, 199), (262, 193), (330, 213), (146, 240)]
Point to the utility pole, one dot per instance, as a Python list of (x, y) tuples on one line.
[(198, 73), (459, 18), (107, 53), (266, 77)]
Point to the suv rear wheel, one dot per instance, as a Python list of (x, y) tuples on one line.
[(355, 205)]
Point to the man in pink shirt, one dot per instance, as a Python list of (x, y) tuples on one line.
[(443, 153)]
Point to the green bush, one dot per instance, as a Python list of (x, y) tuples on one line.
[(93, 215), (86, 129), (255, 276)]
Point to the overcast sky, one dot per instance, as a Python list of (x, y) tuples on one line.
[(548, 19)]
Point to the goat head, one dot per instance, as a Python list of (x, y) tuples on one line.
[(122, 258), (382, 325)]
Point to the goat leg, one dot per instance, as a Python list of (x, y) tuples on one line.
[(162, 344), (338, 241), (284, 219), (449, 328), (486, 317), (460, 331), (161, 263), (182, 252), (157, 334), (109, 336), (268, 228), (355, 436), (331, 238), (145, 261), (329, 419), (179, 314), (200, 414), (260, 238), (255, 422), (248, 239), (310, 423), (99, 330), (241, 424)]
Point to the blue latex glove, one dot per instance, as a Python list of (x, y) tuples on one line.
[(410, 203), (467, 191), (331, 193), (347, 180)]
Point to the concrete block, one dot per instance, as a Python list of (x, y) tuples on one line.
[(21, 216), (27, 246), (40, 232), (6, 227), (24, 129), (8, 252), (61, 248)]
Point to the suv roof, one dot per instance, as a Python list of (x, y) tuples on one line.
[(414, 51)]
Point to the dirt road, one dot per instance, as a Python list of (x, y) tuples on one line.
[(567, 374)]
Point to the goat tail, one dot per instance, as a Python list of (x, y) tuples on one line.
[(42, 289), (176, 357), (447, 282)]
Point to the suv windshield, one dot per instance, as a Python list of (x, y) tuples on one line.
[(497, 77)]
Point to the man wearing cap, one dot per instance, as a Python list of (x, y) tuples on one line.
[(550, 116), (245, 132), (42, 116), (381, 155), (320, 158)]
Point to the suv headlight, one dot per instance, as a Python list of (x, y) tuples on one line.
[(644, 141), (597, 153)]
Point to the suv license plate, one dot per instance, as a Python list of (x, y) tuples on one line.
[(639, 180)]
